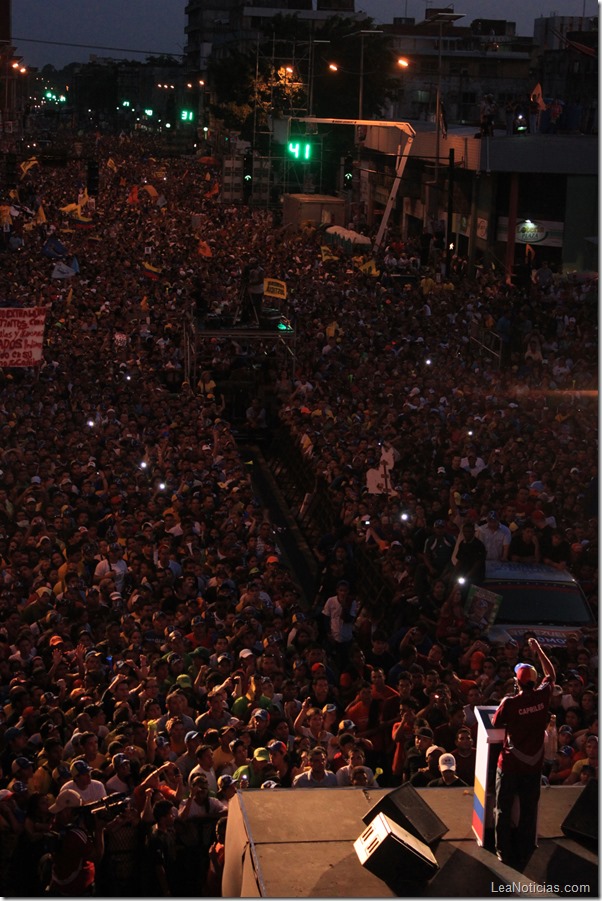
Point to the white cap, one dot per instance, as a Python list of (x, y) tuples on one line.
[(66, 798), (447, 762)]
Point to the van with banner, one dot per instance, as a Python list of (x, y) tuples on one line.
[(536, 598)]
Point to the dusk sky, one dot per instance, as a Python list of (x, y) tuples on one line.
[(158, 25)]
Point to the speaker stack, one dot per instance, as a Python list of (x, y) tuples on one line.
[(398, 843)]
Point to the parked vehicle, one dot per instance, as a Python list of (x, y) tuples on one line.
[(538, 598)]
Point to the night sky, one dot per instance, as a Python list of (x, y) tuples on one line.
[(158, 25)]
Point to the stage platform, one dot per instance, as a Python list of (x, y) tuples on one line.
[(299, 844)]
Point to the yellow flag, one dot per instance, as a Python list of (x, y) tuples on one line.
[(27, 164), (152, 192), (144, 304), (70, 208), (69, 297), (327, 254), (111, 164), (40, 215), (369, 268)]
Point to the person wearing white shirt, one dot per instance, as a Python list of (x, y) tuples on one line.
[(81, 781), (495, 536)]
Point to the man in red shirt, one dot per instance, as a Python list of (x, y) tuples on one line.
[(525, 717)]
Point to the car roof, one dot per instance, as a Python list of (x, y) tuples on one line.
[(528, 572)]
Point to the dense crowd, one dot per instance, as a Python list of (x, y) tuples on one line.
[(154, 643)]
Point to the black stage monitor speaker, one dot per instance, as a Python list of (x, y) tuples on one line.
[(405, 807), (581, 822), (269, 319), (393, 854)]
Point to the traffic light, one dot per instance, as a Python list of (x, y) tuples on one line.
[(348, 173), (92, 178), (10, 164)]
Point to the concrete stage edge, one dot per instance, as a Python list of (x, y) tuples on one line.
[(298, 843)]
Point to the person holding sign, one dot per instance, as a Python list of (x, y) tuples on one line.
[(524, 716)]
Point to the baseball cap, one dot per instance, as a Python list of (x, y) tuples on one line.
[(19, 786), (260, 713), (190, 736), (79, 768), (261, 754), (118, 759), (525, 673), (434, 748), (567, 729), (425, 732), (5, 794), (447, 762), (65, 799), (184, 681), (226, 781), (273, 559), (162, 741), (566, 751), (12, 732), (277, 746), (246, 652), (347, 726), (20, 763)]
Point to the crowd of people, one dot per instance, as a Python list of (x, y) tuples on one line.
[(157, 653)]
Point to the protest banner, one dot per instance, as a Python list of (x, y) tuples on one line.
[(274, 287), (21, 336), (482, 606)]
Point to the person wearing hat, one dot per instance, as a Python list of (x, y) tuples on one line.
[(495, 536), (222, 754), (416, 757), (79, 849), (281, 759), (254, 770), (82, 783), (21, 770), (525, 717), (226, 788), (448, 778), (187, 761), (49, 758), (15, 741)]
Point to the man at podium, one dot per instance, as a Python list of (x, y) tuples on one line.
[(524, 716)]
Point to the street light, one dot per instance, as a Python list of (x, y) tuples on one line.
[(362, 35)]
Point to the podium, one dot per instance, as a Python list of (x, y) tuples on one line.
[(489, 743)]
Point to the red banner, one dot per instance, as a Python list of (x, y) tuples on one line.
[(21, 336)]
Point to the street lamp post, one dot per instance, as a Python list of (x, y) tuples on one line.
[(440, 18), (362, 34)]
